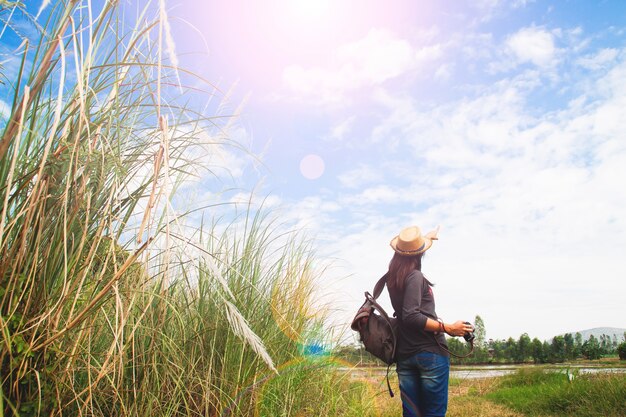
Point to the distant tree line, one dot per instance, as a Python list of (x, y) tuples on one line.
[(523, 350), (560, 349)]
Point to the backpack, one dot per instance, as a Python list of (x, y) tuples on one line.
[(377, 331)]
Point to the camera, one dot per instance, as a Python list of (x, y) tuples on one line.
[(468, 336)]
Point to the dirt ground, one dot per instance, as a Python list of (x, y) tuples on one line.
[(465, 400)]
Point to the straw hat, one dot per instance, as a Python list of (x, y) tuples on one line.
[(411, 242)]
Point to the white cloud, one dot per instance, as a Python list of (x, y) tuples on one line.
[(221, 158), (213, 151), (312, 215), (341, 130), (376, 195), (530, 204), (477, 46), (521, 3), (486, 4), (243, 199), (444, 72), (378, 57), (598, 60), (533, 45), (358, 177), (5, 110)]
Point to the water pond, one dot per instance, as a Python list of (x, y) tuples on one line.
[(487, 371), (490, 371)]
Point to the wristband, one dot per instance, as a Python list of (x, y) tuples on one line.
[(442, 328)]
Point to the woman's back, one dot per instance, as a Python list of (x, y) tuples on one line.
[(413, 305)]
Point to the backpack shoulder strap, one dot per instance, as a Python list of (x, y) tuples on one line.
[(378, 288)]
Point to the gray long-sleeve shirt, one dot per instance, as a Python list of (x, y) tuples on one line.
[(412, 307)]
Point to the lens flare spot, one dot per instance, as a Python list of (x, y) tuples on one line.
[(312, 166), (315, 349)]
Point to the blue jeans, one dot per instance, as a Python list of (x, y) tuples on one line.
[(424, 384)]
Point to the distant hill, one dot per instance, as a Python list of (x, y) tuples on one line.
[(599, 331)]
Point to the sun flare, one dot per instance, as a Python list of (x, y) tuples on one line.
[(308, 9)]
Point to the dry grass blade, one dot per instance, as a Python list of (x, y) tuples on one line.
[(103, 292), (9, 184), (43, 72), (158, 160)]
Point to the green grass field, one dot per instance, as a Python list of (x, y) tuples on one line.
[(538, 393), (529, 392)]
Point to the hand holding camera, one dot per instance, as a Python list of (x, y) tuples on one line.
[(468, 335), (461, 328)]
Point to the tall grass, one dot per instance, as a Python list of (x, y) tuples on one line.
[(108, 308)]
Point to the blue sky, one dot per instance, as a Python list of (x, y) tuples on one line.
[(501, 121)]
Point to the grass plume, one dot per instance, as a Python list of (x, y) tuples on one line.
[(109, 306)]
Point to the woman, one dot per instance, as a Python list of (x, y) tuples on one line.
[(423, 363)]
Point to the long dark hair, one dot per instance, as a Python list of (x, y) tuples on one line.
[(400, 267)]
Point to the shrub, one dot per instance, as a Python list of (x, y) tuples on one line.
[(530, 377), (621, 351), (550, 393)]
